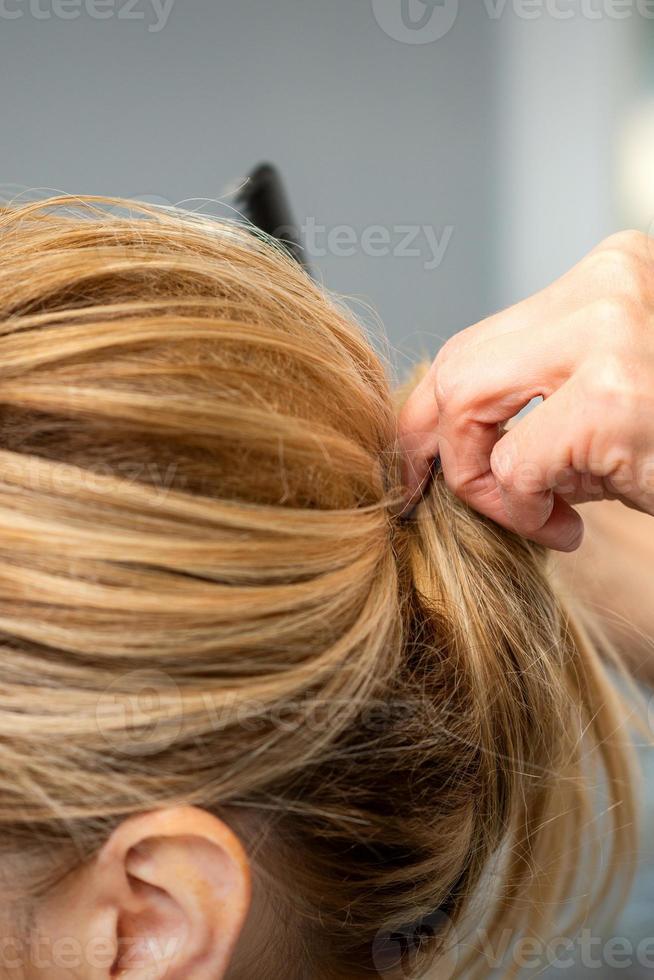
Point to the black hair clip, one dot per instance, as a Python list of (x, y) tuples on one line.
[(264, 202)]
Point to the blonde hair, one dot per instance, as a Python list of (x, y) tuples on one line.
[(198, 503)]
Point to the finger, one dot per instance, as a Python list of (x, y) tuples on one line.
[(561, 529), (487, 383), (533, 461)]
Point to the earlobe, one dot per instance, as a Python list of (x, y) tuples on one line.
[(166, 897)]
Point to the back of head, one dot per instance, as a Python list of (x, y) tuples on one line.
[(198, 490)]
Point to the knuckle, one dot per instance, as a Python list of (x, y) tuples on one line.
[(628, 239), (448, 389), (622, 263), (611, 383), (621, 271), (449, 394), (454, 482), (443, 386), (445, 355), (455, 368), (458, 478), (620, 317), (607, 313)]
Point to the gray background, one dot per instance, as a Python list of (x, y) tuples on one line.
[(507, 130)]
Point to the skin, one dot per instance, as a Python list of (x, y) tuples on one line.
[(586, 345)]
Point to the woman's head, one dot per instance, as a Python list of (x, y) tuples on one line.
[(249, 717)]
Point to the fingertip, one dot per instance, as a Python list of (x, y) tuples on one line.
[(565, 529), (528, 515), (573, 537)]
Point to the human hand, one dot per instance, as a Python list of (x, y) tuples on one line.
[(586, 345)]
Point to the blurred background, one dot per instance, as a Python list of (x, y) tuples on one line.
[(443, 159), (441, 171)]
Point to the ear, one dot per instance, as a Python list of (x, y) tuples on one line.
[(166, 896)]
